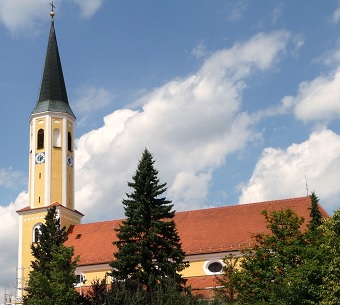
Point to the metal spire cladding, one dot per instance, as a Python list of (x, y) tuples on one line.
[(53, 95)]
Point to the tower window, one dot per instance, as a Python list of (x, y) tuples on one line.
[(40, 138), (36, 233), (56, 138), (69, 141)]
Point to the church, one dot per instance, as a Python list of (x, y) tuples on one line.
[(207, 235)]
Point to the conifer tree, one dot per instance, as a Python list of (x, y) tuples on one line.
[(52, 276), (315, 214), (149, 248)]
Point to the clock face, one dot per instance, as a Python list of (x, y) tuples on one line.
[(40, 158), (69, 161)]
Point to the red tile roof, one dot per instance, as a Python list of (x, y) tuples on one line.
[(201, 231)]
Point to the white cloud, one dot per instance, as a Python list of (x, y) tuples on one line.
[(18, 15), (199, 51), (9, 225), (336, 15), (25, 16), (92, 99), (89, 7), (318, 99), (277, 13), (10, 178), (282, 173), (190, 125), (237, 11), (238, 62)]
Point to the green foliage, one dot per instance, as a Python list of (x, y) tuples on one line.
[(331, 247), (97, 293), (51, 280), (149, 248), (288, 266), (263, 268), (228, 293), (50, 234), (315, 214), (126, 292), (131, 292)]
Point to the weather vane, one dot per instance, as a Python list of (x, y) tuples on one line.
[(52, 11)]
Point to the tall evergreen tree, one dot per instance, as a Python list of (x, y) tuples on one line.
[(52, 276), (149, 248), (315, 214)]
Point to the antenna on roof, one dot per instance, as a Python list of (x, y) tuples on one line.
[(307, 185)]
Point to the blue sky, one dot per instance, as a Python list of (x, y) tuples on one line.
[(239, 101)]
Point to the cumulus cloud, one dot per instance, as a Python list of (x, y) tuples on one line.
[(318, 99), (190, 125), (18, 15), (282, 173), (10, 224), (25, 16)]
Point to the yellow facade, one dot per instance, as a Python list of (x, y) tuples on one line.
[(56, 160), (29, 222), (196, 269), (39, 172), (70, 171)]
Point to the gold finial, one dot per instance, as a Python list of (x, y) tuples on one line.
[(52, 11)]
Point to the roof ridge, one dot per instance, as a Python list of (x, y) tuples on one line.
[(211, 208), (242, 204)]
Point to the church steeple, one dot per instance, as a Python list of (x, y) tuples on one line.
[(51, 158), (52, 136), (53, 95)]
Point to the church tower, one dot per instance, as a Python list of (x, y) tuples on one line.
[(51, 158)]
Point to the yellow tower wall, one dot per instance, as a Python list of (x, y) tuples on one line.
[(70, 170), (39, 173), (56, 161), (29, 221)]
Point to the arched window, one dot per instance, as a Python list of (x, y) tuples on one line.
[(69, 141), (56, 137), (40, 138), (36, 233)]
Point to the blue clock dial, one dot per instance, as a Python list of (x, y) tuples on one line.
[(69, 161), (40, 158)]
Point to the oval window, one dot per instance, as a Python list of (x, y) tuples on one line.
[(215, 267)]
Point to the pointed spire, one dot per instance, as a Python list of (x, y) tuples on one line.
[(53, 95)]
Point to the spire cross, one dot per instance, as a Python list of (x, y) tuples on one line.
[(52, 12)]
